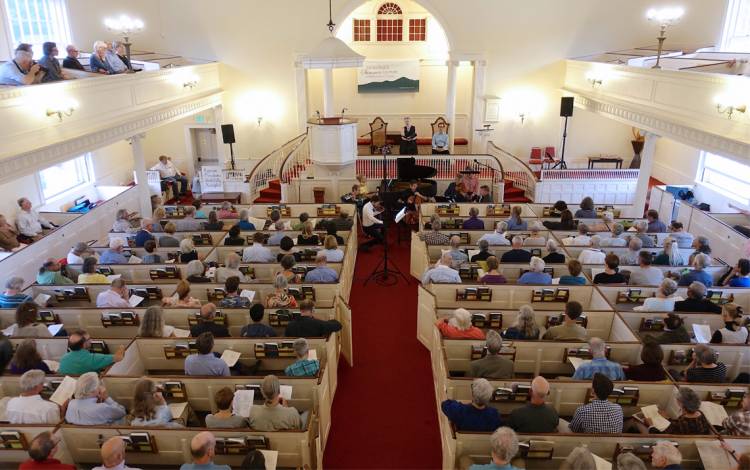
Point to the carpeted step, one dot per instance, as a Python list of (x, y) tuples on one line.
[(266, 200), (274, 184), (270, 192), (516, 199), (512, 191)]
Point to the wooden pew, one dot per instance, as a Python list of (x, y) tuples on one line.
[(652, 323), (210, 238), (738, 295), (735, 356), (426, 209), (513, 296), (27, 432), (543, 210), (54, 348)]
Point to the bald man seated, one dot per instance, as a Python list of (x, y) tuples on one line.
[(535, 416), (113, 455), (42, 450), (202, 448)]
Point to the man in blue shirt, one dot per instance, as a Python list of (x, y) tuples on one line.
[(144, 233), (476, 416), (13, 297), (440, 141), (257, 329), (458, 257), (599, 363), (654, 224), (473, 222), (504, 444), (203, 449), (442, 272), (114, 254), (304, 367), (700, 261), (92, 405), (498, 236), (205, 362), (322, 273)]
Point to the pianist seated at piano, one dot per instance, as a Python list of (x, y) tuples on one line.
[(440, 141)]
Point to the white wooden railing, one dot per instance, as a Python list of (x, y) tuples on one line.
[(516, 170), (269, 167), (371, 166)]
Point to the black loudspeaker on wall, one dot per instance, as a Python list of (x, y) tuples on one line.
[(227, 132), (566, 106)]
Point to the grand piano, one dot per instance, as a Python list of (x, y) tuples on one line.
[(408, 170)]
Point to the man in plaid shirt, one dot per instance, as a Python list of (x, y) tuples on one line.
[(434, 237), (598, 416), (738, 423), (304, 367)]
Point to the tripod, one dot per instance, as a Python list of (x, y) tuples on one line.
[(561, 164)]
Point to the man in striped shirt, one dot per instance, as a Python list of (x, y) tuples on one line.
[(704, 367)]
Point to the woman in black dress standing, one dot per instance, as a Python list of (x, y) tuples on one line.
[(408, 139)]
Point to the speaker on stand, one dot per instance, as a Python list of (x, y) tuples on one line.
[(566, 111), (227, 133)]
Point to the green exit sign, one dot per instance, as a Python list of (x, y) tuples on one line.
[(200, 119)]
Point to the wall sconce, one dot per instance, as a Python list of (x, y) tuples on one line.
[(191, 83), (65, 108), (125, 27), (522, 115), (724, 106), (663, 17), (594, 79), (260, 119)]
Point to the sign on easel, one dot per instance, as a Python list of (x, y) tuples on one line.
[(212, 179)]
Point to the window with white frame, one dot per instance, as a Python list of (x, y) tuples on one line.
[(736, 35), (36, 22), (65, 176), (726, 176)]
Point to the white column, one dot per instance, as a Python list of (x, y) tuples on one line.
[(139, 165), (450, 102), (478, 139), (221, 150), (644, 174), (328, 93), (300, 76)]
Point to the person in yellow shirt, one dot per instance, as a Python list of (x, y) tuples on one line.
[(89, 275)]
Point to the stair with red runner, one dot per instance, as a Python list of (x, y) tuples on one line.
[(270, 195), (513, 194)]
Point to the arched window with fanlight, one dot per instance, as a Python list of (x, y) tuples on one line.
[(390, 23)]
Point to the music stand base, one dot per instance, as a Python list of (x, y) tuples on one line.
[(561, 165), (387, 276)]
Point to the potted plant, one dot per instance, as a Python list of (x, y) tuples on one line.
[(638, 141)]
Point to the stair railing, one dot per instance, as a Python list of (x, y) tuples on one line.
[(296, 161), (269, 167), (515, 170)]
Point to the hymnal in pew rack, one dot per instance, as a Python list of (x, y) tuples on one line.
[(105, 270), (203, 239), (180, 350), (140, 442), (448, 209), (469, 271), (507, 349), (626, 395), (474, 294), (13, 440), (284, 210), (120, 319), (240, 445), (536, 450), (306, 255), (282, 317), (680, 357), (47, 317), (247, 271), (492, 320), (285, 349), (501, 210), (554, 320), (196, 319), (217, 294), (730, 398), (167, 272), (583, 353), (651, 324), (717, 297), (464, 237), (302, 269), (452, 224), (49, 388), (517, 393), (328, 210), (177, 212), (72, 294), (174, 391), (601, 210), (98, 346), (148, 293), (631, 296), (302, 292), (550, 295)]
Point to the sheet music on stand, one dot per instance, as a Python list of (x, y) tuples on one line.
[(401, 214)]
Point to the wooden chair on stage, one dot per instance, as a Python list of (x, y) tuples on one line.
[(379, 129), (439, 120)]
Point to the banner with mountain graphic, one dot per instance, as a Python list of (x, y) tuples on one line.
[(388, 76)]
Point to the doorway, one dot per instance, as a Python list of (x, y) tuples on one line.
[(203, 147)]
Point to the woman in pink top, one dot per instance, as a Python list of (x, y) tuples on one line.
[(459, 326)]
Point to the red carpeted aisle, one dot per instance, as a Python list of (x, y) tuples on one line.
[(384, 409)]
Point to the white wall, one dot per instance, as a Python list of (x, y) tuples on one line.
[(592, 135), (675, 163)]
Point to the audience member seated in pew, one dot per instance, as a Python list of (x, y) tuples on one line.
[(322, 273), (674, 331), (29, 223), (188, 223), (566, 222), (705, 367), (188, 252), (224, 418), (307, 326), (213, 222), (153, 326), (535, 274), (333, 253), (303, 366), (617, 239), (42, 451), (641, 227), (26, 324), (6, 352), (534, 239), (205, 362), (535, 416), (733, 332), (227, 211), (599, 416), (580, 239), (257, 253), (698, 274), (442, 272), (181, 297), (149, 407), (504, 447), (207, 323), (496, 238), (50, 274), (30, 407), (484, 252), (670, 255), (631, 258), (300, 224), (257, 329), (92, 406), (168, 240), (113, 455), (473, 222), (700, 245), (275, 414), (114, 254), (150, 257), (574, 276), (599, 364), (515, 222), (307, 237), (280, 297), (665, 455), (525, 326), (27, 358), (677, 232), (580, 458), (232, 298), (79, 360), (144, 234), (114, 297), (654, 224), (628, 461), (553, 255), (738, 423), (231, 268), (476, 416), (458, 257), (78, 253), (459, 326), (493, 276), (664, 300), (89, 274), (645, 274), (196, 272), (202, 449), (689, 421), (433, 236), (12, 297), (611, 274), (586, 210), (287, 263), (651, 369), (276, 238), (739, 276), (244, 223), (569, 330), (592, 255), (274, 218), (332, 230), (492, 366), (9, 236), (159, 215), (516, 254), (696, 300)]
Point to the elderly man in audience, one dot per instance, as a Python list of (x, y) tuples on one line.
[(535, 239), (458, 257), (611, 273), (580, 458), (492, 365), (641, 228), (598, 416), (476, 416), (257, 253), (144, 234), (231, 268), (71, 60), (303, 366), (553, 254), (570, 329), (459, 326), (170, 175), (50, 274), (322, 273), (581, 239), (535, 274), (617, 239), (54, 72), (738, 423), (243, 222), (574, 276), (189, 223), (497, 237), (9, 236), (592, 255), (275, 238), (696, 300), (196, 272), (504, 447), (442, 272), (664, 300), (203, 449), (275, 414), (114, 297), (42, 451), (701, 245), (114, 254), (28, 221), (645, 274), (30, 407), (677, 232), (599, 364), (535, 416), (113, 455), (92, 405), (434, 237), (629, 461), (224, 417), (207, 323), (12, 297), (704, 366), (205, 362), (631, 258), (79, 360), (21, 70), (516, 254), (654, 224), (698, 274), (122, 223), (79, 252), (484, 251), (307, 326), (665, 455)]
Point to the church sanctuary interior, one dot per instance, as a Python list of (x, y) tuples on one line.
[(375, 234)]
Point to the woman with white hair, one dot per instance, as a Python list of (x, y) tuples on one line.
[(670, 256), (92, 406), (459, 326), (187, 251), (280, 298), (535, 239), (476, 416), (553, 254), (231, 268), (700, 261), (664, 299), (579, 459), (665, 455), (628, 461), (616, 239), (196, 272), (98, 60), (525, 326), (21, 70), (535, 274)]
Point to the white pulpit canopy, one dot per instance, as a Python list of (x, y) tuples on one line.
[(332, 53)]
